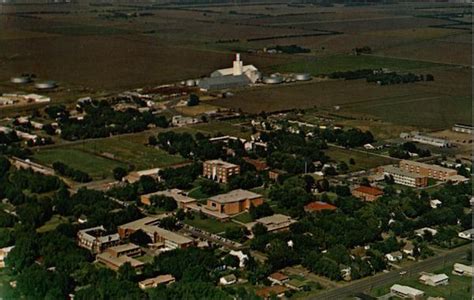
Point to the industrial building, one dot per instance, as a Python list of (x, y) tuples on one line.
[(434, 279), (403, 177), (235, 77), (463, 128), (427, 170)]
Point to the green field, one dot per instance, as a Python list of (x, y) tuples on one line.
[(95, 166), (362, 161), (52, 224), (210, 225), (335, 63), (244, 218), (459, 288), (6, 291)]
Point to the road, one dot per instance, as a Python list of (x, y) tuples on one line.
[(392, 277)]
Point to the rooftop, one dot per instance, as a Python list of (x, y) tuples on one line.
[(275, 219), (395, 170), (167, 235), (157, 280), (319, 206), (406, 289), (278, 276), (119, 260), (423, 165), (235, 196), (220, 162), (369, 190), (124, 247), (176, 194), (268, 291), (140, 223)]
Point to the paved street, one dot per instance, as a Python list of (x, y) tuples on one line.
[(393, 277)]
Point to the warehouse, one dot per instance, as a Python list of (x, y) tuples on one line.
[(223, 82)]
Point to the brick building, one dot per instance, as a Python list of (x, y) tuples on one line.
[(219, 170), (367, 193), (234, 201), (427, 170)]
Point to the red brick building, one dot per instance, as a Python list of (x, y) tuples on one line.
[(367, 193)]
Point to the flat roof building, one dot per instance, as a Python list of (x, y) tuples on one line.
[(149, 225), (115, 262), (406, 292), (403, 177), (234, 202), (96, 240), (463, 270), (154, 282), (177, 194), (463, 128), (277, 222), (219, 170), (427, 170), (223, 82), (434, 279)]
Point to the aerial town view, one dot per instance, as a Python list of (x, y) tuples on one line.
[(236, 150)]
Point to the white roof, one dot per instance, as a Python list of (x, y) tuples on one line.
[(230, 71), (406, 290), (235, 196), (434, 277)]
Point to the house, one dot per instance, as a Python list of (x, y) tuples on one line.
[(234, 202), (394, 256), (467, 234), (367, 193), (406, 292), (318, 206), (158, 236), (427, 170), (422, 231), (275, 174), (435, 203), (268, 292), (243, 258), (434, 279), (278, 278), (96, 240), (404, 177), (463, 270), (219, 170), (3, 254), (154, 282), (228, 279), (178, 195), (276, 222), (408, 249)]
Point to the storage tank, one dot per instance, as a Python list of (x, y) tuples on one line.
[(302, 77), (46, 85), (273, 79), (190, 82), (20, 79)]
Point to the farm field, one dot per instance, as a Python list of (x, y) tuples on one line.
[(362, 161)]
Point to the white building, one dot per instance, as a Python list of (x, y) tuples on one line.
[(463, 270), (462, 128), (394, 256), (243, 258), (406, 292), (228, 280), (467, 234), (429, 140), (238, 68), (179, 121), (422, 231), (434, 279), (435, 203), (37, 98)]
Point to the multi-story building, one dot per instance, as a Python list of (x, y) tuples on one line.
[(96, 240), (234, 201), (427, 170), (159, 236), (219, 170), (115, 257), (367, 193), (403, 177), (274, 223)]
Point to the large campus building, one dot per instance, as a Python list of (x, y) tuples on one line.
[(234, 201), (115, 257), (219, 170), (96, 240), (427, 170), (403, 177), (158, 236)]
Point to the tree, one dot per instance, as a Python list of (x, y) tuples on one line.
[(193, 100), (139, 237), (126, 272), (231, 261), (119, 173), (169, 223), (259, 229)]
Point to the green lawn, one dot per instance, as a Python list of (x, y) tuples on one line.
[(197, 193), (210, 225), (52, 224), (95, 166), (130, 152), (459, 287), (335, 63), (6, 291), (363, 161), (244, 218)]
